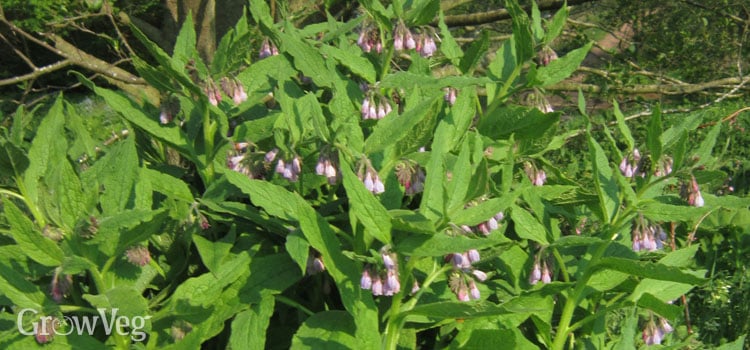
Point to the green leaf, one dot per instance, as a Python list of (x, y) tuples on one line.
[(474, 53), (306, 59), (458, 187), (658, 306), (485, 210), (624, 130), (389, 130), (39, 248), (365, 206), (735, 345), (653, 137), (298, 249), (277, 201), (448, 46), (249, 326), (629, 325), (527, 226), (129, 110), (19, 290), (423, 12), (357, 64), (167, 184), (651, 270), (523, 40), (184, 47), (327, 330), (441, 244), (704, 150), (555, 27), (433, 197), (116, 172), (46, 146), (536, 22), (667, 212), (524, 122), (120, 301), (410, 221), (213, 253), (605, 185), (64, 201), (563, 67)]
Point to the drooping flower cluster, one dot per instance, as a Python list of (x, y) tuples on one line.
[(314, 263), (210, 89), (692, 193), (647, 236), (245, 162), (374, 105), (422, 41), (383, 281), (664, 166), (537, 175), (540, 271), (653, 334), (60, 286), (464, 286), (267, 49), (537, 100), (327, 166), (289, 169), (546, 55), (233, 87), (485, 227), (411, 176), (369, 39), (370, 178), (450, 95), (631, 165)]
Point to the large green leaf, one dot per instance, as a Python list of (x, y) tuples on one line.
[(522, 36), (604, 183), (249, 326), (524, 122), (327, 330), (356, 63), (651, 270), (391, 129), (39, 248), (563, 67), (527, 226), (365, 206)]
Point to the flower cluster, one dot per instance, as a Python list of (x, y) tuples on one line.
[(653, 334), (464, 285), (540, 271), (485, 227), (382, 281), (546, 55), (369, 39), (692, 193), (537, 175), (450, 95), (411, 176), (326, 166), (210, 89), (314, 263), (233, 87), (647, 236), (631, 165), (289, 169), (244, 162), (423, 42), (267, 49), (370, 178), (537, 100), (664, 166), (60, 285), (374, 106)]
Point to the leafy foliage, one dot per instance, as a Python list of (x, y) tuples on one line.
[(251, 202)]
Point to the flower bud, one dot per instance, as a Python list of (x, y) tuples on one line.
[(473, 255), (480, 275), (473, 290), (366, 281), (138, 255)]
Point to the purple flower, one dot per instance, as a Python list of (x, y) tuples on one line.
[(388, 261), (546, 278), (458, 260), (415, 288), (473, 290), (60, 286), (138, 255), (480, 275), (473, 255), (536, 274), (377, 286), (271, 155), (450, 95), (366, 281)]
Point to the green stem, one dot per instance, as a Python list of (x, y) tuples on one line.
[(563, 327), (208, 141), (76, 308), (284, 300), (98, 281), (561, 263), (499, 97)]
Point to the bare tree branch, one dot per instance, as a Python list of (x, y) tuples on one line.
[(36, 73)]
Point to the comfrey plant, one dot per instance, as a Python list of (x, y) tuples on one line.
[(274, 197)]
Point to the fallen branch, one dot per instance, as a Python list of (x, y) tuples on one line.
[(501, 14)]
